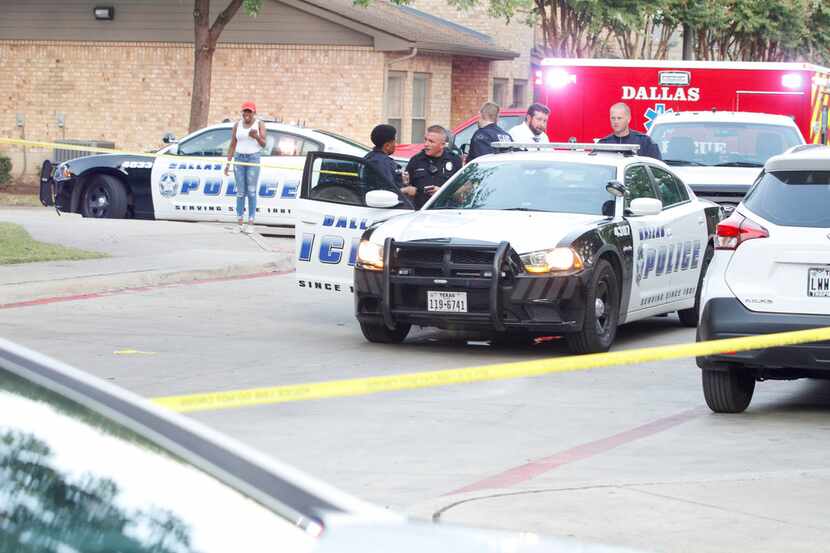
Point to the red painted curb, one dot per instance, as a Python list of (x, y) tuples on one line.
[(94, 295)]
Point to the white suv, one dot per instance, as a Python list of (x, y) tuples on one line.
[(720, 153), (770, 273)]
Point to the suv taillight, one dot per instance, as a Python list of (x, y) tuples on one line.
[(737, 229)]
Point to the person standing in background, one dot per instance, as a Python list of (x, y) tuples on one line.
[(247, 140)]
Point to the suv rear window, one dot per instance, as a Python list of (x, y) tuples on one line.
[(792, 198)]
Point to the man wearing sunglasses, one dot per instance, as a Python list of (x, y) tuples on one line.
[(431, 167)]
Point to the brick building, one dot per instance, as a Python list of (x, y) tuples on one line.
[(324, 63)]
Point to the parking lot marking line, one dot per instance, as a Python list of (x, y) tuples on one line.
[(504, 371), (136, 289), (537, 467)]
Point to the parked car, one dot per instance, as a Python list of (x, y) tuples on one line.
[(463, 133), (720, 153), (86, 466), (770, 273), (516, 244), (188, 183)]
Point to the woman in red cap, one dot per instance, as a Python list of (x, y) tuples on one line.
[(247, 140)]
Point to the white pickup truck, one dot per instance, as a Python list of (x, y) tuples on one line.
[(720, 153)]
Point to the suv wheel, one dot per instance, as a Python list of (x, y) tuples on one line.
[(602, 312), (728, 391)]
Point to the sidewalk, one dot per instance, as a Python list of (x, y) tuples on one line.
[(143, 253)]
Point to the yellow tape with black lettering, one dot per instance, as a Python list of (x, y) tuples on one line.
[(79, 148), (375, 384)]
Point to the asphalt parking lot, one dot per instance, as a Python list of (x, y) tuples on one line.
[(623, 455)]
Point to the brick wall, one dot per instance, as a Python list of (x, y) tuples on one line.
[(516, 36), (471, 87), (439, 68), (132, 93)]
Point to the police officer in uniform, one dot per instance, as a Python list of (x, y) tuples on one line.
[(620, 121), (488, 132), (430, 168), (383, 137)]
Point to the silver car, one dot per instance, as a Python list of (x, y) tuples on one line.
[(88, 467)]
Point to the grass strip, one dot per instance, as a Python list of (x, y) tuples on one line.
[(17, 246)]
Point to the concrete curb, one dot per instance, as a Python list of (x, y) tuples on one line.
[(113, 282)]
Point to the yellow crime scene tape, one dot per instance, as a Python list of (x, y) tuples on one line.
[(523, 369), (80, 148)]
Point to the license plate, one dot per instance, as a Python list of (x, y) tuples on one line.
[(818, 283), (447, 302)]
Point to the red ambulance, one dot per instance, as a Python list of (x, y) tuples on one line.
[(580, 91)]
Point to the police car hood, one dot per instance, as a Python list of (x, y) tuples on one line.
[(526, 231), (717, 175)]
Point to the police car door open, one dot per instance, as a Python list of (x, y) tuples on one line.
[(331, 215)]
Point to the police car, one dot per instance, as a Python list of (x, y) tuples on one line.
[(516, 244), (188, 183)]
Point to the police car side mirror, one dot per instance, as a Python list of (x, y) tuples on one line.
[(382, 198), (173, 150), (615, 188), (645, 206)]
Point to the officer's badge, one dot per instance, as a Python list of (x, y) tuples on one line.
[(448, 166), (168, 185)]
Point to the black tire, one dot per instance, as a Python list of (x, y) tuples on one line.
[(104, 197), (378, 333), (600, 326), (728, 391), (690, 317)]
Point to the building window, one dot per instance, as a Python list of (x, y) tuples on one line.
[(500, 92), (519, 93), (420, 95), (394, 99)]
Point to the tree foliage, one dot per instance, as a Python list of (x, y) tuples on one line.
[(206, 37), (746, 30)]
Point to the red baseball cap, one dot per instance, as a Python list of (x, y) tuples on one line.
[(249, 105)]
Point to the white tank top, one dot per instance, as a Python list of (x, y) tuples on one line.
[(245, 144)]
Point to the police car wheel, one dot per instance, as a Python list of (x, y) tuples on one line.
[(104, 198), (728, 391), (602, 312), (378, 333), (690, 317)]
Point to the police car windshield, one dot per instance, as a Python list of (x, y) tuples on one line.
[(722, 144), (525, 185)]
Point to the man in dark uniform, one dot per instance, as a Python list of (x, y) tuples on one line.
[(383, 137), (488, 132), (430, 168), (620, 119)]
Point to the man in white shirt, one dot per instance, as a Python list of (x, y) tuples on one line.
[(533, 128)]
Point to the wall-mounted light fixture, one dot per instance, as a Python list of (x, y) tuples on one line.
[(104, 13)]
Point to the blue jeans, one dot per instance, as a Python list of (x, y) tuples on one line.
[(246, 178)]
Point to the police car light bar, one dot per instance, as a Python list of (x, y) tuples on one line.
[(618, 148)]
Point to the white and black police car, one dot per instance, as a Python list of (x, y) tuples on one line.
[(188, 183), (517, 244)]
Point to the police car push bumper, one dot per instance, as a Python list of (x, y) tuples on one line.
[(485, 286)]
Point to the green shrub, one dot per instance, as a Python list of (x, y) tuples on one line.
[(5, 169)]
